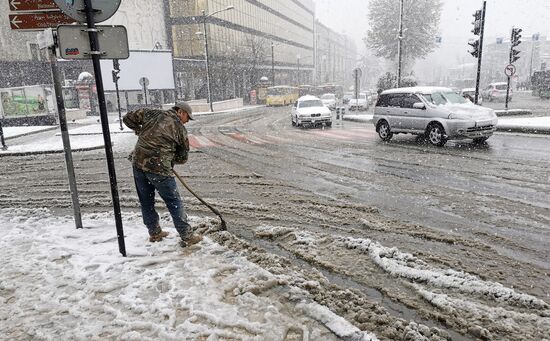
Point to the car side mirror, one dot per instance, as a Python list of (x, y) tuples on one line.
[(419, 105)]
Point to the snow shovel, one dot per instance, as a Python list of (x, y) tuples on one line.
[(213, 209)]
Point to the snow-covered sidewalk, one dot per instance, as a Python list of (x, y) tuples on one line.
[(13, 132), (533, 125), (80, 141), (61, 283)]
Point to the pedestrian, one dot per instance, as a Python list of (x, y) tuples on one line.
[(162, 143)]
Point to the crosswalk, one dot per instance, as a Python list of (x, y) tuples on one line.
[(213, 139)]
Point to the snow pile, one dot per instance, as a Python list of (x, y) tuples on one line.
[(506, 319), (12, 132), (337, 324), (406, 265), (61, 283)]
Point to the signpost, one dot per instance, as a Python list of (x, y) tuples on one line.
[(32, 5), (144, 82), (510, 70), (38, 21), (78, 9), (43, 14), (74, 42)]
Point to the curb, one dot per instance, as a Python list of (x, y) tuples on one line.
[(44, 152), (525, 130), (30, 133), (353, 119), (513, 112)]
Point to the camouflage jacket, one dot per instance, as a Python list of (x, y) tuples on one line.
[(162, 141)]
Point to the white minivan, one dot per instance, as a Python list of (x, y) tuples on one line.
[(440, 114)]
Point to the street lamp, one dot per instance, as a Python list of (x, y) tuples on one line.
[(206, 16)]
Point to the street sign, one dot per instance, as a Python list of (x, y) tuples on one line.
[(510, 70), (357, 73), (38, 21), (74, 42), (144, 81), (32, 5), (104, 9)]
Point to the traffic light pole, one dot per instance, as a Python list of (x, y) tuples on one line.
[(116, 71), (480, 51), (508, 76)]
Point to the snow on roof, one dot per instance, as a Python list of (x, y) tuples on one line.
[(417, 89), (308, 98)]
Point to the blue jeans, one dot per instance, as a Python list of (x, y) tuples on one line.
[(146, 184)]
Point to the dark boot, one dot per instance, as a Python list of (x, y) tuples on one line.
[(190, 239), (157, 237)]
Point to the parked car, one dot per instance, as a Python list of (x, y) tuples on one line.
[(470, 94), (309, 110), (360, 103), (347, 97), (497, 91), (329, 100), (437, 113)]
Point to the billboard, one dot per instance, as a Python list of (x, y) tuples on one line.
[(156, 66)]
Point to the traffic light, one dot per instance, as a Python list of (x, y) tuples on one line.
[(477, 22), (475, 45), (515, 41)]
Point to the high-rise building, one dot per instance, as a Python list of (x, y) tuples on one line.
[(241, 42)]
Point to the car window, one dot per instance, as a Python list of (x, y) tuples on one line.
[(454, 98), (435, 98), (310, 104), (396, 100), (410, 99), (383, 101), (501, 87)]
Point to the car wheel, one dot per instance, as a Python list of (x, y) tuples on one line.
[(436, 134), (480, 140), (384, 131), (329, 124), (292, 121)]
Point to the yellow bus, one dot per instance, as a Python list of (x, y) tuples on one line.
[(282, 95)]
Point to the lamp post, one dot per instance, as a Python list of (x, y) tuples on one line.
[(400, 45), (272, 64), (298, 75), (206, 16)]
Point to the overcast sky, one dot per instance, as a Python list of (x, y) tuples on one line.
[(350, 16)]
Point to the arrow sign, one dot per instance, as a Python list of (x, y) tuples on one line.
[(38, 21), (32, 5)]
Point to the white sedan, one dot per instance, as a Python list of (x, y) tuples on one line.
[(329, 100), (309, 110)]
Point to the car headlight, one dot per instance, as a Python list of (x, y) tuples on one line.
[(453, 116)]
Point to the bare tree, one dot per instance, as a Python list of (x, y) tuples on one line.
[(420, 22)]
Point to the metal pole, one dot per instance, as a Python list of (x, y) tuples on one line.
[(480, 50), (400, 45), (273, 64), (510, 62), (116, 66), (298, 71), (95, 52), (145, 94), (207, 61), (4, 147), (65, 138)]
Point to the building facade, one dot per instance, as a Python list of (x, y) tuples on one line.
[(336, 56), (257, 38)]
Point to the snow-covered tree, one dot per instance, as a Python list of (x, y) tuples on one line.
[(420, 28)]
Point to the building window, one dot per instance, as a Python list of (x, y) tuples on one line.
[(34, 51)]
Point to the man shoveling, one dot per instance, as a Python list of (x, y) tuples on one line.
[(162, 143)]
